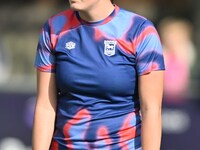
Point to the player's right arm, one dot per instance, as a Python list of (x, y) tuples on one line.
[(45, 111)]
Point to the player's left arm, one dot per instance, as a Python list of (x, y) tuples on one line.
[(150, 92), (150, 66)]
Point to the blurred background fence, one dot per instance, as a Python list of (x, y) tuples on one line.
[(178, 23)]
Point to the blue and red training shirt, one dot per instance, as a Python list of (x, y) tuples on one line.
[(97, 65)]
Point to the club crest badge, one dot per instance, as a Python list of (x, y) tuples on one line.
[(109, 47)]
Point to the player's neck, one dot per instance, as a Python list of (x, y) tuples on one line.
[(97, 13)]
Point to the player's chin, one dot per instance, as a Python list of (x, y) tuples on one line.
[(75, 7)]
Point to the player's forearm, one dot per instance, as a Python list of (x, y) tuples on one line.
[(151, 129), (43, 128)]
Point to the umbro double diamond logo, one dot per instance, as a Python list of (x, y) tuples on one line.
[(70, 45)]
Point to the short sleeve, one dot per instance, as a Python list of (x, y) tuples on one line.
[(45, 59), (149, 55)]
